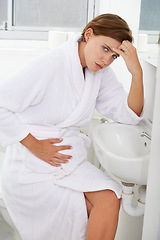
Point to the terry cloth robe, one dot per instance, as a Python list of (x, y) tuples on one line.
[(50, 98)]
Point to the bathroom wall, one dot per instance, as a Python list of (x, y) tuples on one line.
[(15, 53)]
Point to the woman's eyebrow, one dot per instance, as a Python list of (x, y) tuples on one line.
[(111, 50)]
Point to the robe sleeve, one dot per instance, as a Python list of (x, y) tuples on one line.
[(24, 88), (112, 100)]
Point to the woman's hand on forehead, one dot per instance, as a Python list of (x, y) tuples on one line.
[(129, 54)]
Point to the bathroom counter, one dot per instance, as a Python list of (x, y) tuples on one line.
[(151, 55)]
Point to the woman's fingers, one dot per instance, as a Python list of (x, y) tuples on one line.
[(125, 46), (48, 151), (55, 140), (63, 156), (125, 49), (60, 147), (129, 54), (59, 158), (58, 161), (53, 163)]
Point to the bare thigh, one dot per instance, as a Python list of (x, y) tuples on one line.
[(104, 198), (89, 206)]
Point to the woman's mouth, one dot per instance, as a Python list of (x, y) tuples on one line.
[(98, 66)]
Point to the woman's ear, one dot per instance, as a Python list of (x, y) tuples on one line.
[(88, 34)]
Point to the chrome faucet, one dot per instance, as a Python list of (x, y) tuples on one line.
[(144, 134)]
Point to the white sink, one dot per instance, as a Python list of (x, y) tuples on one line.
[(122, 151)]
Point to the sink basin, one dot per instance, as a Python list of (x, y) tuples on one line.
[(122, 152)]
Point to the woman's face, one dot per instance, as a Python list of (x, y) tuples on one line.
[(98, 51)]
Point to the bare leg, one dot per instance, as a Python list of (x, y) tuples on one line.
[(103, 212), (89, 206)]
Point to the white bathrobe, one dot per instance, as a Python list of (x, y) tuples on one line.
[(50, 98)]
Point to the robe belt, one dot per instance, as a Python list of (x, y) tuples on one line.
[(49, 133)]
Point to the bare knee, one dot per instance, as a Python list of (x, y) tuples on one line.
[(111, 201), (105, 199)]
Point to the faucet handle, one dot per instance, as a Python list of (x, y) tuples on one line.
[(144, 134)]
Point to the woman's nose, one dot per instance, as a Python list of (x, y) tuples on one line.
[(107, 59)]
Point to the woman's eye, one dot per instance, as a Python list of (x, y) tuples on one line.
[(105, 49), (114, 56)]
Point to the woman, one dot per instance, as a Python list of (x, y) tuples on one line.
[(48, 186)]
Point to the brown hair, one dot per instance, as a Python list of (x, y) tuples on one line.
[(110, 25)]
